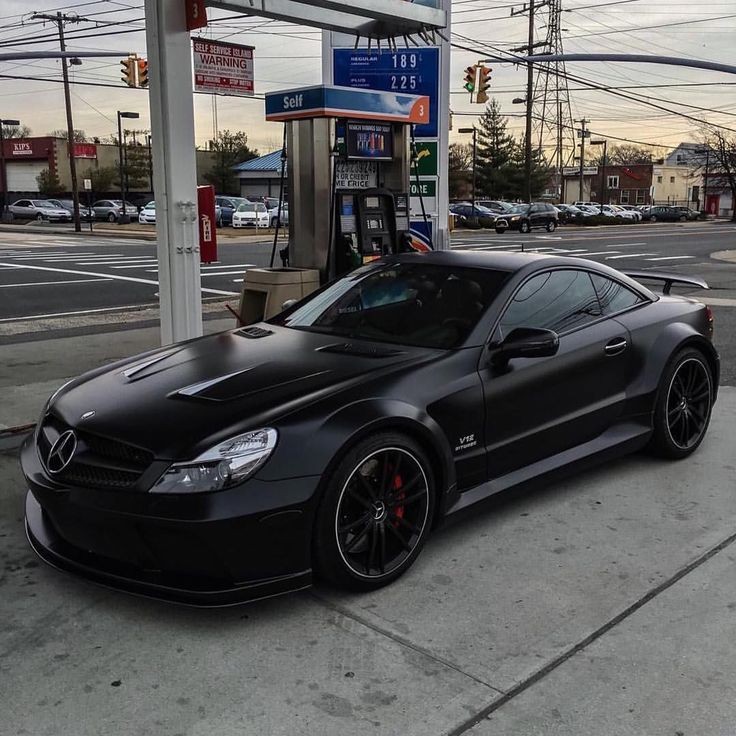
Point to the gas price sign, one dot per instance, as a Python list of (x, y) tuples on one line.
[(411, 71)]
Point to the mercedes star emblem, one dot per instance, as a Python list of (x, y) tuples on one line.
[(62, 452)]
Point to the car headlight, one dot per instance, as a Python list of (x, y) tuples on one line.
[(516, 217), (220, 467)]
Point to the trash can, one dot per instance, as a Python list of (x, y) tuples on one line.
[(266, 289)]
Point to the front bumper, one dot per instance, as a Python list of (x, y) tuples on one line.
[(212, 549)]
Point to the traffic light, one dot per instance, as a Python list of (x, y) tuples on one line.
[(142, 73), (484, 82), (128, 71), (470, 73)]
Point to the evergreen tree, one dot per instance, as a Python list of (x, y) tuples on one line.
[(48, 183), (540, 172), (229, 149), (497, 155)]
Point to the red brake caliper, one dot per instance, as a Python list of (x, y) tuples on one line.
[(399, 510)]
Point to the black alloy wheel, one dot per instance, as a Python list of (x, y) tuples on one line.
[(525, 227), (653, 218), (375, 514), (551, 226), (683, 406), (39, 217), (683, 218)]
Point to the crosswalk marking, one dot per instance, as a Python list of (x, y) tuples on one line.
[(669, 258), (629, 255), (52, 283)]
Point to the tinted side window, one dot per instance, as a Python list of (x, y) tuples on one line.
[(613, 296), (556, 300)]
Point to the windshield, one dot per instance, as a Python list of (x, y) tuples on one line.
[(150, 206), (43, 204), (519, 209), (405, 303), (247, 207)]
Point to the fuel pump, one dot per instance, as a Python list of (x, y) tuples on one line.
[(349, 167)]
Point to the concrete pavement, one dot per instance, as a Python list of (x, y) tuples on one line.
[(601, 605)]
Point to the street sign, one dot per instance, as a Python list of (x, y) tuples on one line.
[(222, 68), (426, 159), (408, 71), (428, 189), (88, 185)]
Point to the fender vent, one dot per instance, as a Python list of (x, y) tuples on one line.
[(254, 332)]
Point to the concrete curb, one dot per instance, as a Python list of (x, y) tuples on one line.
[(224, 237)]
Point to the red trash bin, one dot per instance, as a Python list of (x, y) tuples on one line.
[(207, 223)]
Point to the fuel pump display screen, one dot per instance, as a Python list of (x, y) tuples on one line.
[(369, 141), (375, 223)]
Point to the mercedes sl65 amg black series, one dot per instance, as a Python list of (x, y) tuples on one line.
[(331, 439)]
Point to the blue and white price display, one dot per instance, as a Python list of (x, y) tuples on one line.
[(411, 71)]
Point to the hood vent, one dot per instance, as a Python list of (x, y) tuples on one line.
[(363, 351), (254, 332)]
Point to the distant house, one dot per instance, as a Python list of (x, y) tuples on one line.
[(687, 154), (260, 177)]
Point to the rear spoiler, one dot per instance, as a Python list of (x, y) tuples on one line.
[(668, 278)]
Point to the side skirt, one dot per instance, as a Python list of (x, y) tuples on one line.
[(622, 439)]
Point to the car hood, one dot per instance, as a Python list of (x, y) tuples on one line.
[(185, 397)]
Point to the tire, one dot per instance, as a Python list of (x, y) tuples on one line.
[(39, 217), (653, 218), (525, 227), (551, 226), (111, 217), (274, 221), (684, 404), (683, 218), (367, 532), (500, 230)]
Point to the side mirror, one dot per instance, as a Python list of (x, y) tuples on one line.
[(288, 303), (526, 342)]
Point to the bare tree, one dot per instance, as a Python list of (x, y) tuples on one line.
[(460, 170), (721, 163), (16, 131)]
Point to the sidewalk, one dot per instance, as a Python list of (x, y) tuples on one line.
[(31, 371), (599, 606)]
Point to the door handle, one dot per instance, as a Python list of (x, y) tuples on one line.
[(616, 346)]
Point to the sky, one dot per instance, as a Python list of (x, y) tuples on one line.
[(288, 56)]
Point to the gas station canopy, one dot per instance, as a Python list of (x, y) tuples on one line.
[(322, 101), (370, 18)]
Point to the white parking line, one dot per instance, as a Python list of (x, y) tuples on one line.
[(598, 253), (223, 273), (51, 283), (116, 277), (60, 257), (65, 314), (670, 258), (630, 255), (137, 261)]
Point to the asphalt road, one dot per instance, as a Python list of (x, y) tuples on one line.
[(60, 277)]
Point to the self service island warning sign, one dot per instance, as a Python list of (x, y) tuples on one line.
[(222, 68)]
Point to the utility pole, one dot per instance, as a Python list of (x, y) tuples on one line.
[(533, 6), (583, 133), (60, 19)]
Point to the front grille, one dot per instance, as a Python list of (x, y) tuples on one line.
[(98, 462)]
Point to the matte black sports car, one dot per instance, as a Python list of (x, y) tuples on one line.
[(335, 436)]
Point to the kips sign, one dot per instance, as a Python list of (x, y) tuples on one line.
[(22, 148)]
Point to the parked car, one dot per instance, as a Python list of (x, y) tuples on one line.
[(664, 213), (111, 209), (570, 213), (612, 210), (251, 214), (526, 217), (228, 205), (632, 208), (495, 205), (580, 203), (39, 209), (244, 464), (273, 214), (687, 211), (147, 215), (464, 211), (85, 213)]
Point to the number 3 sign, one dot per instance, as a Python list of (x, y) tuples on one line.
[(196, 14)]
